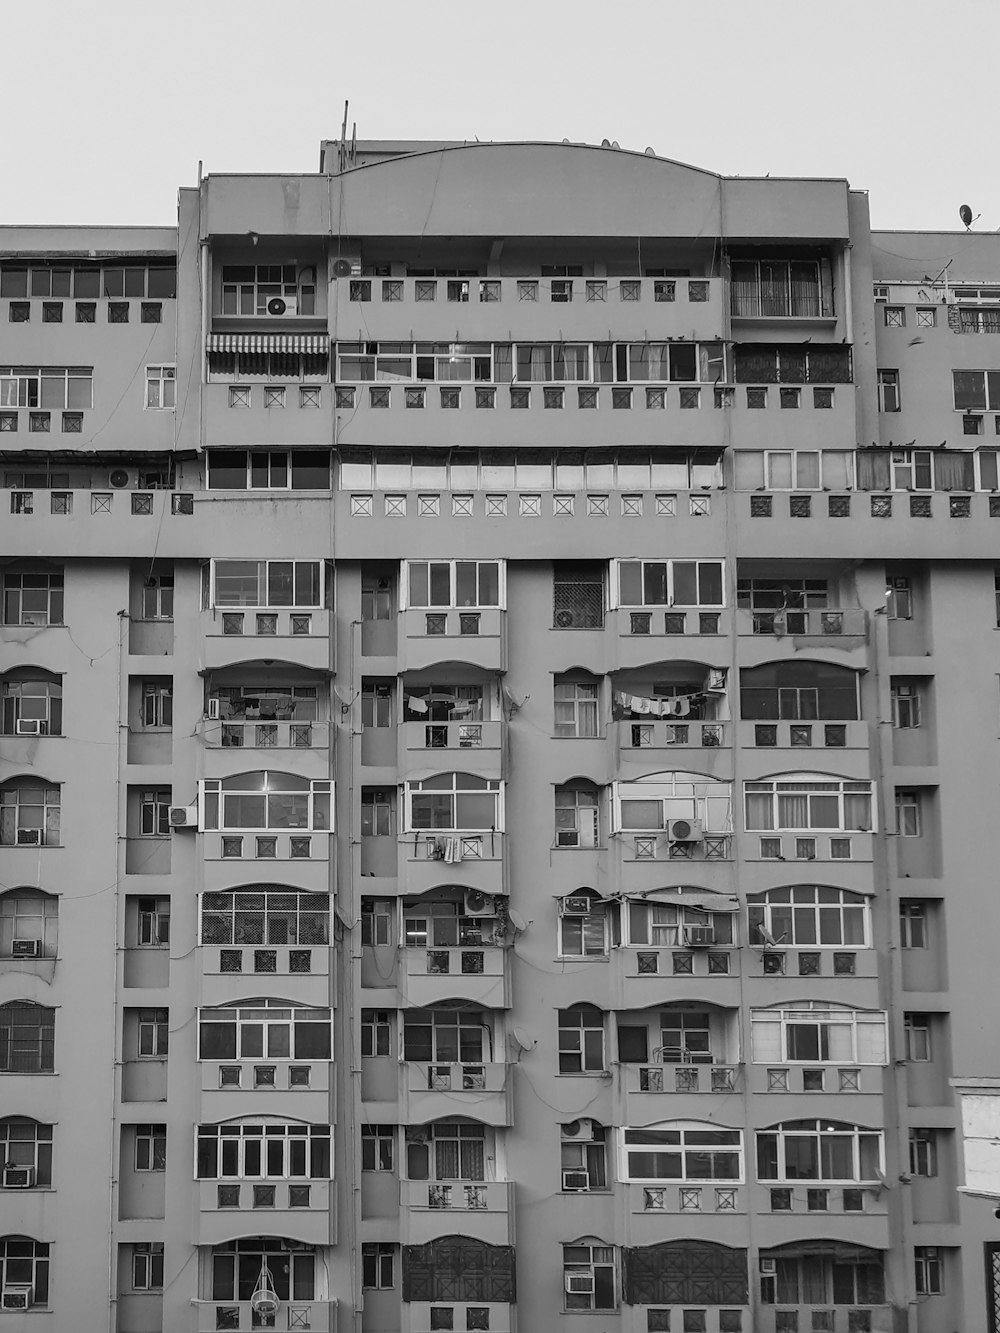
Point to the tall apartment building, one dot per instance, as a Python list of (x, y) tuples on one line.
[(499, 754)]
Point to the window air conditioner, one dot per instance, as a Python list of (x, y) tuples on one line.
[(280, 306), (16, 1297), (18, 1177), (184, 816), (25, 948), (702, 937), (574, 1181), (576, 904), (30, 727), (478, 903), (580, 1284), (29, 837), (684, 830), (214, 709)]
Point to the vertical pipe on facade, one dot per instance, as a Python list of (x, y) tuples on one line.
[(116, 981), (848, 294)]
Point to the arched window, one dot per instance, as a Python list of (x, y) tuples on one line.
[(681, 1151), (29, 813), (459, 801), (262, 1147), (655, 802), (267, 1029), (27, 1038), (31, 703), (581, 1040), (589, 1278), (808, 801), (809, 914), (24, 1272), (237, 1265), (826, 1150), (447, 1150), (818, 1033), (25, 1151), (266, 800), (29, 924)]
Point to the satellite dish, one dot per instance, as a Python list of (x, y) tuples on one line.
[(605, 143), (615, 143), (523, 1040), (341, 268), (517, 920), (650, 152), (965, 213)]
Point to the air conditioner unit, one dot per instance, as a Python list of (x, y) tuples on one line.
[(341, 268), (478, 903), (580, 1284), (684, 830), (575, 1181), (280, 306), (576, 904), (184, 816), (30, 727), (214, 708), (26, 948), (699, 937), (18, 1177), (29, 837), (16, 1297), (715, 682), (582, 1128), (119, 478), (566, 619)]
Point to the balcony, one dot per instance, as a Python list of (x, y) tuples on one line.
[(836, 845), (704, 1078), (417, 1315), (645, 857), (309, 849), (432, 1091), (854, 1205), (848, 963), (317, 1316), (276, 734), (481, 1209), (715, 1200), (454, 744), (435, 860), (637, 739), (234, 972), (645, 634), (852, 735), (704, 971), (832, 1319), (844, 629), (237, 635), (479, 975), (297, 1089), (293, 1208), (783, 1078), (449, 634)]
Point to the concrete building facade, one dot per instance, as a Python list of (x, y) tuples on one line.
[(413, 915)]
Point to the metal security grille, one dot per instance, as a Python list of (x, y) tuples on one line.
[(992, 1249), (578, 597), (686, 1272), (455, 1268)]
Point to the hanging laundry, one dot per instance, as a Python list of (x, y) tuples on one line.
[(416, 705), (453, 851)]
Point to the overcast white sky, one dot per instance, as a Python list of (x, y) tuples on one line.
[(108, 107)]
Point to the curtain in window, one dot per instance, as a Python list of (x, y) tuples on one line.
[(749, 470), (857, 810), (793, 810), (766, 1040), (760, 810), (953, 471), (873, 469)]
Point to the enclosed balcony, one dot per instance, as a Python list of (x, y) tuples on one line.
[(686, 934), (288, 1271), (265, 930), (452, 1065), (273, 609), (452, 819), (784, 607), (454, 610), (454, 947), (449, 1185), (670, 817), (671, 706), (669, 601), (836, 1285)]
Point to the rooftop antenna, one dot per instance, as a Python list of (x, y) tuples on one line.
[(354, 142), (965, 213), (342, 150)]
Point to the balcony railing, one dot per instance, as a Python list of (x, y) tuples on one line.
[(671, 1198), (639, 847), (832, 622), (468, 1077), (252, 734), (456, 1195), (317, 1316), (684, 1078), (832, 1319), (661, 735)]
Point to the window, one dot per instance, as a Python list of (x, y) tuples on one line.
[(923, 1152), (818, 1034), (24, 1264), (799, 692), (666, 925), (158, 597), (29, 922), (154, 812), (147, 1265), (266, 800), (899, 597), (908, 813), (161, 387), (26, 1145), (581, 1040), (157, 705), (377, 814), (376, 922), (267, 583), (852, 1277), (444, 925), (895, 317), (269, 469), (52, 387), (29, 814), (928, 1270), (447, 1036), (237, 1264), (268, 289), (153, 1033), (810, 915), (584, 1156), (268, 1030), (827, 1150), (578, 596), (975, 390), (779, 288), (888, 391), (31, 703), (150, 1147), (378, 1144), (250, 1150), (446, 1150), (265, 914), (670, 583), (917, 1037), (376, 1032), (905, 704), (805, 803), (455, 583), (153, 922), (583, 934), (682, 1152), (576, 706), (589, 1277), (378, 1260), (912, 924), (652, 804), (577, 816), (459, 801), (32, 595)]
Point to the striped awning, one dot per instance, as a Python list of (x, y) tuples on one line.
[(310, 344)]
